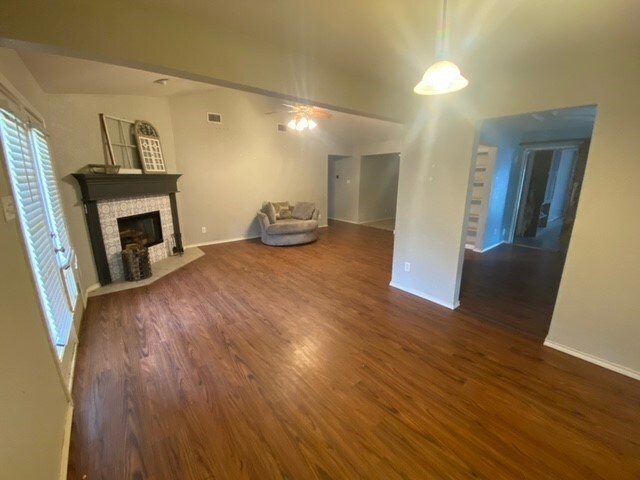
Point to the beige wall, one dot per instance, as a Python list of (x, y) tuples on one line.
[(596, 311), (344, 187), (230, 169), (33, 396), (378, 187), (76, 140)]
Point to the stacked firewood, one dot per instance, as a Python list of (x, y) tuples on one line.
[(135, 259)]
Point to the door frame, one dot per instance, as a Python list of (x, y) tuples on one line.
[(525, 158)]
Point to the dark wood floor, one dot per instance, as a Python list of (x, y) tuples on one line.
[(513, 286), (302, 363)]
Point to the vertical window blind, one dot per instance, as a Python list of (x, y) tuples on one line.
[(40, 212)]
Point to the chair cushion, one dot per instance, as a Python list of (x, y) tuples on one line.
[(282, 227), (303, 210), (269, 211)]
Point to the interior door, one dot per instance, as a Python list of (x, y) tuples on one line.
[(536, 193), (574, 192)]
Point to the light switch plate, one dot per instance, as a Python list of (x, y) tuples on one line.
[(8, 207)]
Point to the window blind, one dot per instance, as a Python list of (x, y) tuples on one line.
[(31, 208), (51, 196)]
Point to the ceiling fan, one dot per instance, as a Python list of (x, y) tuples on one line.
[(303, 116)]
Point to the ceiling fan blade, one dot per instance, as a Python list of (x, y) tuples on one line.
[(321, 113)]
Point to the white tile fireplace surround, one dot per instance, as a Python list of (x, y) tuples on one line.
[(110, 210)]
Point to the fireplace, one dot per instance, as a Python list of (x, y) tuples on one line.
[(143, 204), (143, 230)]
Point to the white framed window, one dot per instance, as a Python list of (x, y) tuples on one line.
[(35, 190), (121, 142)]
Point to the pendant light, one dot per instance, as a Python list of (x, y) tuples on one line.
[(443, 76)]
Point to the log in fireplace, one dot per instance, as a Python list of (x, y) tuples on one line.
[(143, 230)]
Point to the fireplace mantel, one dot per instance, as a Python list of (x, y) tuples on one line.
[(95, 187)]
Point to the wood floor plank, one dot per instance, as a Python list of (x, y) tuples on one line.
[(256, 362)]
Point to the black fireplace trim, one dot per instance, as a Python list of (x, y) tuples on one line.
[(95, 187)]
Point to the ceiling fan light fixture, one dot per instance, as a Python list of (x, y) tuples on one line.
[(303, 124), (441, 77)]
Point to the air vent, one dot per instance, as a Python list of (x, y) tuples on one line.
[(282, 127), (214, 117)]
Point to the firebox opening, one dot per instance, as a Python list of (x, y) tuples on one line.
[(144, 230)]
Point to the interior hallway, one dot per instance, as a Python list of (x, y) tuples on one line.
[(549, 238), (512, 285)]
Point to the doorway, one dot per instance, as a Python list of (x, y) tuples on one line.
[(550, 189), (363, 189), (512, 272)]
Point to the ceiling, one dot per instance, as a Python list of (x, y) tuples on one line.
[(377, 43), (576, 118), (58, 74), (394, 41), (65, 75), (390, 42)]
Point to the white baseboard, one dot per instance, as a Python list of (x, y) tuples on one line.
[(343, 220), (376, 220), (66, 443), (417, 293), (87, 291), (216, 242), (490, 247), (593, 359)]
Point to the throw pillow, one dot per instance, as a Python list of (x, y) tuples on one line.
[(282, 210), (270, 211), (285, 213), (303, 210)]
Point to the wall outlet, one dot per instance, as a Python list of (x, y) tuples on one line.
[(348, 182), (204, 229), (407, 266), (8, 207)]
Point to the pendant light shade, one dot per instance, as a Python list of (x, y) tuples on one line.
[(441, 77)]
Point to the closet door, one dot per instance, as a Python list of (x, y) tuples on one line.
[(482, 181)]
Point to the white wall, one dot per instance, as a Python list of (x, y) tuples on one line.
[(344, 187), (230, 169), (33, 397), (378, 187), (596, 312), (76, 140), (503, 189)]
